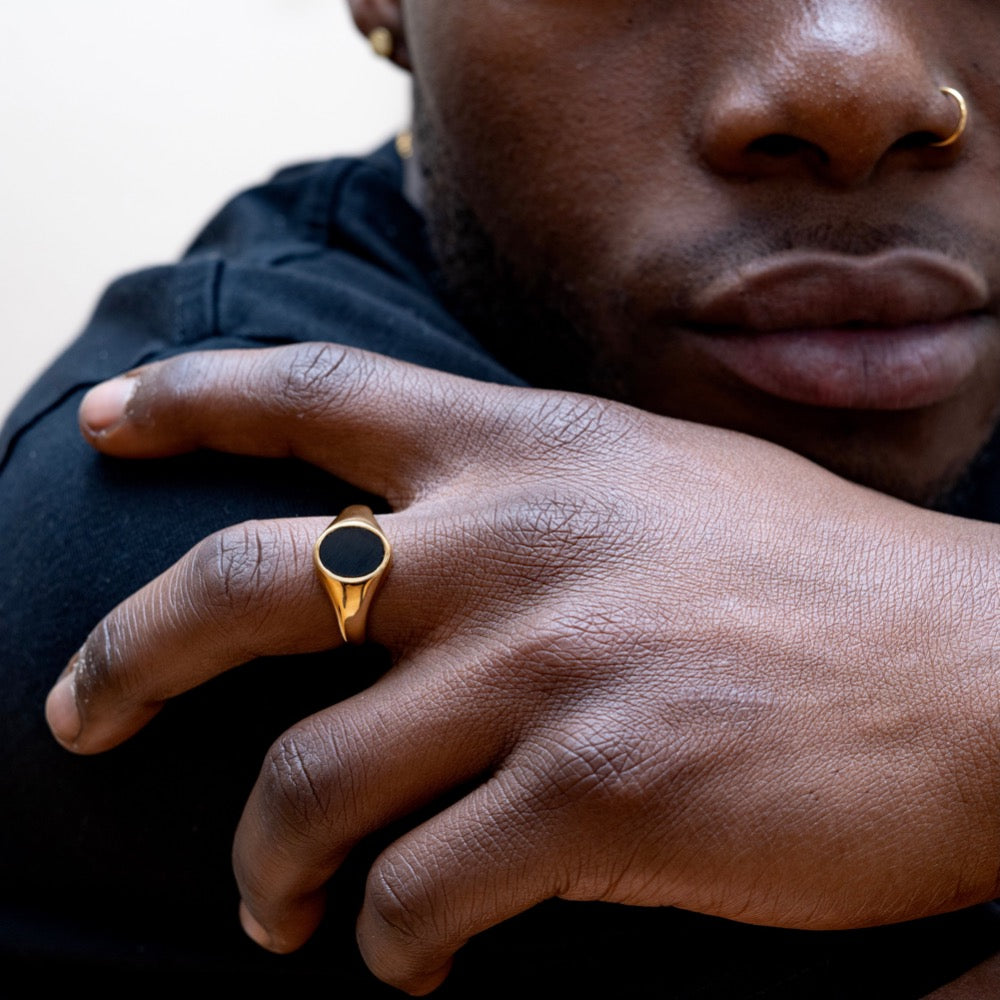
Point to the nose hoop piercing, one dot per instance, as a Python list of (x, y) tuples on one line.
[(963, 119)]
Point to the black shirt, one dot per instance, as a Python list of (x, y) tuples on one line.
[(115, 869)]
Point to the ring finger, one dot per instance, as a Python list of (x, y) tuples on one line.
[(247, 591)]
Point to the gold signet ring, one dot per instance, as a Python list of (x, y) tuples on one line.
[(963, 119), (351, 558)]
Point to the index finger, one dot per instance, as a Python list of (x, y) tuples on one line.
[(389, 427)]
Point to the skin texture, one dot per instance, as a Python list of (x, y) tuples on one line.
[(790, 723), (661, 148), (742, 684)]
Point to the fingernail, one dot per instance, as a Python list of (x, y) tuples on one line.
[(253, 929), (61, 711), (103, 408)]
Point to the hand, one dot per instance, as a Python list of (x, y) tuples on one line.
[(679, 666)]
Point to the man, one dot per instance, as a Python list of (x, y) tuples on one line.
[(636, 659)]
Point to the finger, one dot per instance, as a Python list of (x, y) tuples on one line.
[(227, 601), (252, 590), (478, 863), (348, 771), (383, 425)]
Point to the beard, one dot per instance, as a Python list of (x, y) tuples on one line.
[(536, 324), (528, 322)]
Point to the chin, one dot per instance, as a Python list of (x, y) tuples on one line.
[(922, 455), (901, 474)]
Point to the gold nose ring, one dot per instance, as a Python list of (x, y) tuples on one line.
[(963, 119)]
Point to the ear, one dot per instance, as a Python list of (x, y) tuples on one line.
[(372, 14)]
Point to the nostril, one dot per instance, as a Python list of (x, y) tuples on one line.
[(839, 134), (782, 146), (917, 140)]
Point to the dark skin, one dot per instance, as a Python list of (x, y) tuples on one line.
[(692, 154), (739, 683)]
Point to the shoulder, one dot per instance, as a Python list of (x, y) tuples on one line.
[(323, 251), (324, 203)]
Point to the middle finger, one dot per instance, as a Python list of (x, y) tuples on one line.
[(349, 770)]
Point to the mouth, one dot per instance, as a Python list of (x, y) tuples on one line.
[(897, 330)]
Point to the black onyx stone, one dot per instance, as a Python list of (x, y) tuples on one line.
[(352, 552)]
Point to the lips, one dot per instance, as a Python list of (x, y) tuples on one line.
[(896, 330)]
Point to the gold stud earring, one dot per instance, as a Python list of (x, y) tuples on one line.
[(404, 145), (382, 42)]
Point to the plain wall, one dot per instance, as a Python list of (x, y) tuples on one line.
[(124, 124)]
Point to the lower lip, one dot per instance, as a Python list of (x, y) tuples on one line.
[(871, 369)]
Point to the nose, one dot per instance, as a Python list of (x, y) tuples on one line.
[(837, 93)]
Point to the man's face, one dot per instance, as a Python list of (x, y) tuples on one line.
[(738, 207)]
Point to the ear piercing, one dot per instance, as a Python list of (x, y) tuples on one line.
[(963, 119), (382, 42), (404, 145)]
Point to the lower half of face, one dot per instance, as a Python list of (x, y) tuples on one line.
[(644, 207)]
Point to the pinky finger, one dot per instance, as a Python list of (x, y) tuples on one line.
[(478, 863)]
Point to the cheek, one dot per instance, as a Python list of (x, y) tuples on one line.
[(552, 125)]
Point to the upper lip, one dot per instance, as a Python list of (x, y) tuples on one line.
[(819, 290)]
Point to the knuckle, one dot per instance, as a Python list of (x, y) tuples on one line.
[(313, 378), (604, 529), (601, 764), (566, 423), (398, 952), (397, 897), (294, 784), (555, 432), (232, 571)]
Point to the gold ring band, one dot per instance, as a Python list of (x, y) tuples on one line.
[(963, 119), (351, 558)]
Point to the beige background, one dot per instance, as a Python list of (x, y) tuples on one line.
[(124, 124)]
